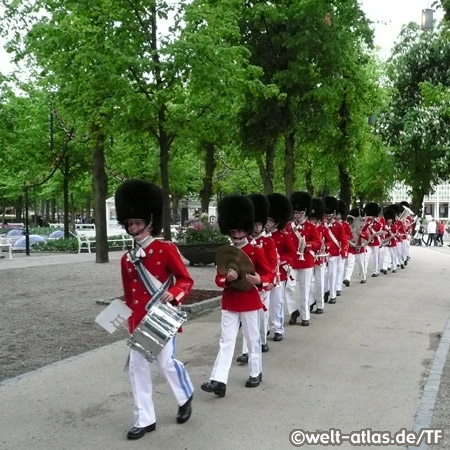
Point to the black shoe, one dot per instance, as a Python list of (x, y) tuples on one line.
[(406, 263), (338, 293), (326, 296), (319, 311), (264, 348), (294, 316), (243, 359), (215, 386), (394, 271), (346, 283), (332, 300), (185, 411), (137, 433), (311, 307), (305, 323), (278, 337), (402, 266), (363, 281), (383, 271), (253, 381), (374, 275), (389, 269)]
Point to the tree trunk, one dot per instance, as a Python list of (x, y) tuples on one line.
[(66, 197), (100, 185), (308, 179), (164, 148), (345, 184), (53, 210), (267, 172), (210, 165), (289, 162), (417, 195)]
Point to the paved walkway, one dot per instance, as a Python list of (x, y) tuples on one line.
[(363, 364)]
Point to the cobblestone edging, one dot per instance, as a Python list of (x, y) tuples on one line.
[(424, 414)]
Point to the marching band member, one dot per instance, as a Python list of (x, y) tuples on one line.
[(357, 246), (390, 239), (340, 218), (320, 260), (280, 211), (139, 209), (261, 208), (307, 241), (400, 234), (336, 243), (409, 227), (375, 229), (236, 219)]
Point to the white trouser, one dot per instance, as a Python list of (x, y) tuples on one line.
[(230, 327), (375, 253), (331, 276), (140, 376), (340, 273), (400, 259), (387, 260), (318, 286), (407, 247), (263, 316), (349, 266), (276, 308), (393, 253), (297, 293)]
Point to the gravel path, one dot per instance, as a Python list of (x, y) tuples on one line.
[(47, 310)]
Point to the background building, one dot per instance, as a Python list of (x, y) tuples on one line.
[(434, 205)]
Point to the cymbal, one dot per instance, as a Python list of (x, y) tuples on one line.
[(230, 257)]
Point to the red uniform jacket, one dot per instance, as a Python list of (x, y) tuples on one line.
[(374, 225), (338, 232), (401, 231), (240, 301), (358, 248), (270, 250), (286, 252), (348, 233), (313, 243), (162, 259), (389, 230), (322, 231)]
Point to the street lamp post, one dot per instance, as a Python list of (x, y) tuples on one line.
[(427, 19)]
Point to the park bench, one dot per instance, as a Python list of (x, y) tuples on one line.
[(86, 238), (6, 244)]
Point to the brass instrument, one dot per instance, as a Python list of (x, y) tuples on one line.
[(406, 212), (386, 241), (322, 253), (357, 225), (301, 248)]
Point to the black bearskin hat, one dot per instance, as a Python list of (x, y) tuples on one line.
[(396, 208), (317, 208), (342, 208), (235, 212), (301, 201), (261, 207), (280, 209), (371, 209), (389, 213), (139, 199), (331, 205), (356, 212), (402, 204)]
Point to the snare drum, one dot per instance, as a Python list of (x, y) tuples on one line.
[(156, 329)]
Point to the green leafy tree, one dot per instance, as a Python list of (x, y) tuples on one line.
[(417, 122)]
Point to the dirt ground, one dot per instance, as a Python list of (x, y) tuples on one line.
[(47, 313)]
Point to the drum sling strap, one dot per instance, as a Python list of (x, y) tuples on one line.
[(150, 282)]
